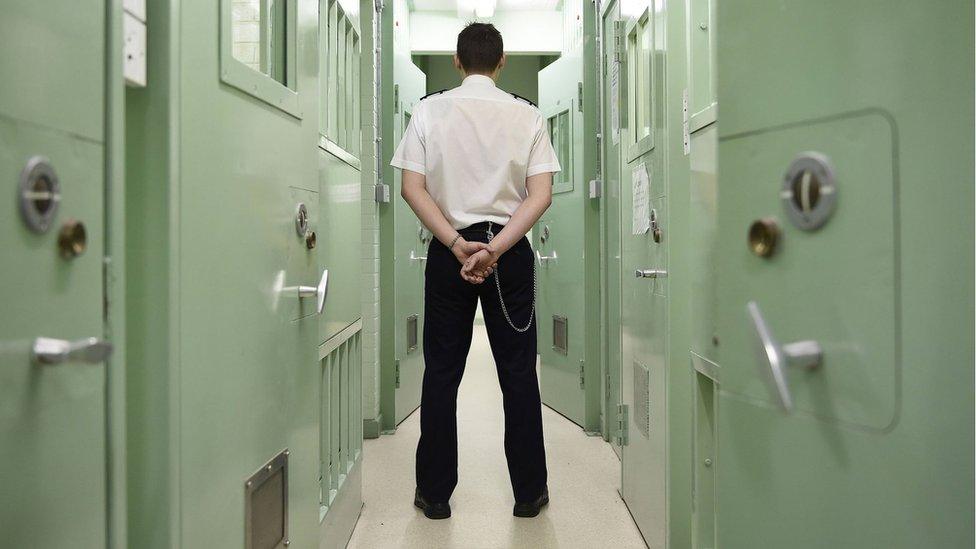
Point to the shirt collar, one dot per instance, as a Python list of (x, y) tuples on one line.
[(477, 79)]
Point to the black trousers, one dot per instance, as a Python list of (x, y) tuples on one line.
[(449, 310)]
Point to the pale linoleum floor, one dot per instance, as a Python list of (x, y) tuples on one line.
[(584, 473)]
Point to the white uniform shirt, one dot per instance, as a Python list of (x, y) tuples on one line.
[(476, 144)]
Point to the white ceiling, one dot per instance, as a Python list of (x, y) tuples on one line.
[(502, 5)]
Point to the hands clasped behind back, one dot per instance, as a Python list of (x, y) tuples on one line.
[(477, 261)]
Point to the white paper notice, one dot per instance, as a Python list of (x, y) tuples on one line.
[(615, 102), (642, 213)]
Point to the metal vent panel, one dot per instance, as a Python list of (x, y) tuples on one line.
[(560, 334), (412, 322), (642, 401), (266, 505)]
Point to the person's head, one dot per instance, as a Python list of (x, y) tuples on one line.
[(480, 50)]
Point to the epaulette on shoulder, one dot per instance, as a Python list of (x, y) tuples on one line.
[(433, 93), (516, 96)]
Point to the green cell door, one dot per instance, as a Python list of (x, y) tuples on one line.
[(846, 329), (411, 240), (52, 392), (644, 264), (558, 243)]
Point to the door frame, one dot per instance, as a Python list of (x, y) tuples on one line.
[(610, 375), (114, 278)]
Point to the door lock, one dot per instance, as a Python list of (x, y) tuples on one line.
[(763, 237), (91, 350), (40, 194), (809, 190), (774, 357), (72, 239), (301, 219)]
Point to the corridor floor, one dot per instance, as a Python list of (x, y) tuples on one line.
[(585, 509)]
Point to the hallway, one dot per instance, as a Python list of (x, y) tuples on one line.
[(584, 474)]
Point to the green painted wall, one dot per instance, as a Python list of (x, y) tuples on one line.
[(520, 75)]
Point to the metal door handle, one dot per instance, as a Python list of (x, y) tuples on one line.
[(319, 291), (542, 258), (90, 350), (775, 357), (415, 257), (651, 273)]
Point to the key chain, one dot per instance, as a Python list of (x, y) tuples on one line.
[(498, 286)]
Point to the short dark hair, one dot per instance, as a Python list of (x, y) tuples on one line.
[(479, 47)]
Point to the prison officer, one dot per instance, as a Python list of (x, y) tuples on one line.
[(477, 170)]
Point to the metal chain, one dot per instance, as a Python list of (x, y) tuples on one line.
[(498, 286)]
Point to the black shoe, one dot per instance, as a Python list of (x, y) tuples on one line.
[(530, 509), (432, 510)]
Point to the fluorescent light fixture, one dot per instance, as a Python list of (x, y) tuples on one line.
[(484, 8)]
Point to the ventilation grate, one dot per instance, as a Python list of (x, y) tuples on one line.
[(560, 334), (642, 401), (266, 505), (411, 332)]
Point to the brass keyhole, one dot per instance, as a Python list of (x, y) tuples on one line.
[(806, 191), (310, 240), (763, 236), (72, 239)]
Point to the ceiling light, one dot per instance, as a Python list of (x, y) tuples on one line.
[(484, 8)]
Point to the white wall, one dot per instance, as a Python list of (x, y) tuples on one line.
[(538, 32), (371, 226)]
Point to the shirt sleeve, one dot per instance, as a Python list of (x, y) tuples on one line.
[(542, 157), (411, 152)]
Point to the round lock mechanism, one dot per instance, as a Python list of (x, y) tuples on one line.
[(72, 239), (763, 237), (301, 219), (809, 192), (40, 194)]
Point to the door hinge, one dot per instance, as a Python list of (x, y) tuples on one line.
[(134, 68), (618, 41), (396, 370), (396, 98), (579, 96), (607, 384), (381, 193), (622, 424), (596, 188), (106, 288), (582, 378)]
